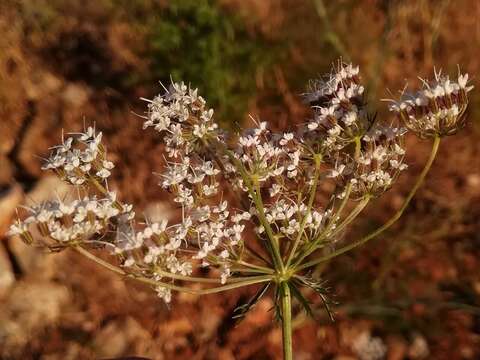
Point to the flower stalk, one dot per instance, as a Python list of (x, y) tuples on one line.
[(286, 300), (390, 222)]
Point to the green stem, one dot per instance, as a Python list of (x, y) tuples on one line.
[(336, 216), (254, 191), (313, 192), (263, 219), (250, 280), (254, 280), (330, 35), (99, 261), (257, 268), (199, 279), (326, 232), (354, 213), (286, 321), (390, 222)]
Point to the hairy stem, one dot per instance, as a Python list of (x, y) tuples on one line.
[(390, 222)]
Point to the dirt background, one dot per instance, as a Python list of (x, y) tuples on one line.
[(65, 63)]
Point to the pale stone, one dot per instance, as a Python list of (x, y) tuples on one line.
[(7, 277)]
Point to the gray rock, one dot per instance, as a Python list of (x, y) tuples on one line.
[(48, 188), (7, 278), (29, 309), (75, 95), (10, 199), (124, 337)]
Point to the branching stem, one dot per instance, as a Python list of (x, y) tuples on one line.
[(313, 192), (244, 282), (390, 222)]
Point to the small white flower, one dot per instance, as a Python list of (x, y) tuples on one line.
[(103, 173), (337, 171), (275, 190), (18, 228), (164, 293), (287, 137)]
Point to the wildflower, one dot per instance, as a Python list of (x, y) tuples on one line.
[(62, 222), (261, 186), (183, 119), (379, 162)]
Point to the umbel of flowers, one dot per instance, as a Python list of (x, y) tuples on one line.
[(249, 203)]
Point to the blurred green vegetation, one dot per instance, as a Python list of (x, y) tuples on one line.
[(198, 42)]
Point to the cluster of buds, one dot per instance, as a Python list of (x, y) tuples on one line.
[(436, 110), (275, 177)]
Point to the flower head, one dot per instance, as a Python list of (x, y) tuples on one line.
[(339, 110), (80, 158), (438, 109)]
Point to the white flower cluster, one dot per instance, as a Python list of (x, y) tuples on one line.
[(378, 164), (67, 222), (285, 217), (210, 234), (210, 231), (437, 109), (268, 156), (80, 158), (339, 109), (190, 181), (182, 118), (367, 155), (213, 229)]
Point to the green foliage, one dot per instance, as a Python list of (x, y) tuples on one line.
[(198, 42)]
